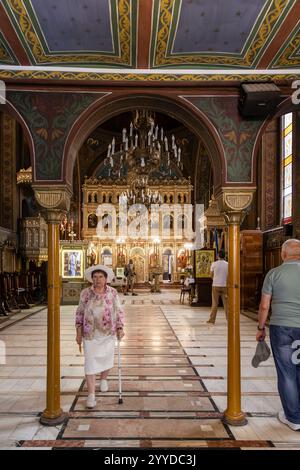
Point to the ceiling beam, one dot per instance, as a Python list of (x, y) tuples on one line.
[(283, 33), (144, 33), (12, 38)]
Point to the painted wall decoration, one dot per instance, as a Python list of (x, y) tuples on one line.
[(7, 172), (49, 116), (237, 135), (6, 54)]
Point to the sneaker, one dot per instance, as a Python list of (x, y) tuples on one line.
[(210, 321), (133, 293), (91, 402), (284, 420), (103, 385)]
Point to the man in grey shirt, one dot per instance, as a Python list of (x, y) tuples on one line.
[(282, 288)]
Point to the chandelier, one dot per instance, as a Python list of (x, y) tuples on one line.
[(143, 149)]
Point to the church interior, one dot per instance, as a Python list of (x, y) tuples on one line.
[(173, 109)]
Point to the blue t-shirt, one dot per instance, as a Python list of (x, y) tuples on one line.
[(283, 283)]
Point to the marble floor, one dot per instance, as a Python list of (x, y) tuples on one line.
[(174, 384)]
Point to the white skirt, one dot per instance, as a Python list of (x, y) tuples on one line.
[(98, 353)]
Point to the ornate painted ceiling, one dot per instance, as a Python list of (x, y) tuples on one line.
[(146, 37)]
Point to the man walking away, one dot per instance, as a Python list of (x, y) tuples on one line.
[(282, 288), (219, 272), (130, 275)]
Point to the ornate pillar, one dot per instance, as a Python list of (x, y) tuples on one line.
[(54, 201), (232, 203)]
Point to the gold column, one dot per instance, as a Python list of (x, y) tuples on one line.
[(53, 414), (54, 201), (233, 414), (233, 203)]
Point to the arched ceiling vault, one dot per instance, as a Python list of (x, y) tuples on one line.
[(92, 38)]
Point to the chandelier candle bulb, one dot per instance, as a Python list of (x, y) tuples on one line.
[(108, 151), (131, 130), (161, 134), (166, 144), (136, 140), (123, 135), (113, 146)]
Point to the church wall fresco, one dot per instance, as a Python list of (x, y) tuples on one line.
[(237, 135), (8, 171), (49, 116)]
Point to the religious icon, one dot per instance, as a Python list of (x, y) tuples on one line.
[(92, 221), (121, 259), (181, 259), (72, 263), (203, 260), (93, 257)]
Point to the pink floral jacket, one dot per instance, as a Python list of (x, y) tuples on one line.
[(113, 316)]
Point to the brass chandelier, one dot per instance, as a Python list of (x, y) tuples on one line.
[(144, 149)]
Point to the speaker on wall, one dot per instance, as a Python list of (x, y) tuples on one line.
[(258, 99)]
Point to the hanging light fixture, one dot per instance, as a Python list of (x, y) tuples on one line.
[(144, 148)]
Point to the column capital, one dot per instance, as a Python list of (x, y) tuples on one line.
[(54, 200), (53, 196), (234, 203), (53, 216)]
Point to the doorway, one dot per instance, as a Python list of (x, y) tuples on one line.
[(138, 257), (167, 261)]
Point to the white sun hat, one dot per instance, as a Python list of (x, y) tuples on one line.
[(99, 267)]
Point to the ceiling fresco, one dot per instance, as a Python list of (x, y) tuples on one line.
[(75, 32), (235, 33), (170, 35)]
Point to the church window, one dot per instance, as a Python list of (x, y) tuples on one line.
[(286, 167)]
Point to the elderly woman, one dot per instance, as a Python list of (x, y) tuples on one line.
[(99, 317)]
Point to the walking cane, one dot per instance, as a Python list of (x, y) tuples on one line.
[(120, 374)]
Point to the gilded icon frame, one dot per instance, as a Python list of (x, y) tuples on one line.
[(72, 263), (203, 261)]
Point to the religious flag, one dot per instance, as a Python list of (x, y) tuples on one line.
[(222, 247), (216, 242)]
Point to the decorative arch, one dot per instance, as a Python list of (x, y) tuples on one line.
[(173, 107), (137, 250), (285, 106)]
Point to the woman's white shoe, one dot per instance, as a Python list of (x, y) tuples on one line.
[(103, 385), (91, 402)]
